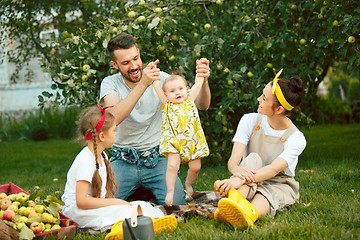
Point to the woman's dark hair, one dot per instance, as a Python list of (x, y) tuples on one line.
[(291, 90), (120, 41)]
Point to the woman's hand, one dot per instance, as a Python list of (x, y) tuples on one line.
[(245, 173)]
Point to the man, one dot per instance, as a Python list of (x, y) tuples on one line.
[(135, 159)]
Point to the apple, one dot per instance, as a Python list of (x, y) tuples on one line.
[(302, 41), (293, 7), (84, 78), (33, 214), (132, 14), (13, 208), (141, 3), (320, 16), (219, 66), (158, 10), (141, 19), (247, 18), (230, 82), (161, 48), (22, 197), (216, 183), (207, 27), (231, 131), (85, 84), (36, 227), (114, 30), (174, 38), (12, 197), (5, 203), (16, 203), (21, 210), (198, 54), (351, 39), (28, 210), (219, 2), (48, 217), (23, 219), (335, 23), (1, 214), (20, 225), (226, 70), (31, 203), (42, 226), (3, 195), (171, 58), (250, 74), (86, 67), (9, 215), (47, 226), (196, 35), (330, 41), (55, 226), (269, 65), (39, 208), (183, 12)]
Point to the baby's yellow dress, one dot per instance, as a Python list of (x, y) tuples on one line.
[(182, 132)]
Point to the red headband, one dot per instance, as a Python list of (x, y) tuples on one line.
[(100, 124)]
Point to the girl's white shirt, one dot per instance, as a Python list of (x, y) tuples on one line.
[(293, 146), (82, 169)]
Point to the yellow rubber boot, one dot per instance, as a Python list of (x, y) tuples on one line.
[(240, 213), (164, 223), (116, 232)]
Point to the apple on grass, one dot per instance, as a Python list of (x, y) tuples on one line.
[(9, 215), (36, 227)]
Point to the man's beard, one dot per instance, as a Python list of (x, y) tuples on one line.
[(127, 75)]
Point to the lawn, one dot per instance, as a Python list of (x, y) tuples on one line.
[(328, 172)]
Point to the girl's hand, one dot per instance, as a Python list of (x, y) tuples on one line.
[(225, 185)]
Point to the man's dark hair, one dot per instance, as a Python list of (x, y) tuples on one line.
[(120, 41)]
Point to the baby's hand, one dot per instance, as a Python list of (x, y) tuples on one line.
[(202, 68)]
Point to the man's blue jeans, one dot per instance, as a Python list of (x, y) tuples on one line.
[(131, 176)]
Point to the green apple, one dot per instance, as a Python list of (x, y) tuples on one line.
[(269, 65), (196, 35), (158, 10), (141, 3), (48, 217), (161, 48), (39, 208), (207, 27), (351, 39), (219, 2), (335, 23), (86, 67), (131, 14), (320, 16), (12, 197), (31, 203), (141, 19), (174, 38), (33, 214), (250, 74), (114, 30), (302, 41), (84, 78), (230, 82), (28, 210), (3, 195), (16, 203), (55, 226), (47, 226), (21, 210), (171, 58), (23, 219), (219, 66), (22, 197), (330, 41), (19, 225), (13, 207)]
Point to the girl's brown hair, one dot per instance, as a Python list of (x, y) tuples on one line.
[(88, 120)]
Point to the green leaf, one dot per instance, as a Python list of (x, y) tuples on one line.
[(154, 23), (26, 233)]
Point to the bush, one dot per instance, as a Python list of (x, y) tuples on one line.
[(49, 123)]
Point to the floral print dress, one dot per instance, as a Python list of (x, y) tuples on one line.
[(182, 131)]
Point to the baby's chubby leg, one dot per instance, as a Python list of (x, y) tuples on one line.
[(193, 172), (171, 173)]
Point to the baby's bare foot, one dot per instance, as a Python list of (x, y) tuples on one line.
[(189, 190)]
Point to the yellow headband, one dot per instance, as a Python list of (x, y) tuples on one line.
[(279, 95)]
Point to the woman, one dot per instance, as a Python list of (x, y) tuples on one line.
[(269, 143)]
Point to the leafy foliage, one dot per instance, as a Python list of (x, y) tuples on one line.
[(246, 41)]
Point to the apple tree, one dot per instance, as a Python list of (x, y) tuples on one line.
[(247, 43)]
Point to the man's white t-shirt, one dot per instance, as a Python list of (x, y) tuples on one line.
[(142, 128), (293, 146)]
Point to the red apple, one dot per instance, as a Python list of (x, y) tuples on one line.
[(9, 215), (36, 227), (5, 203)]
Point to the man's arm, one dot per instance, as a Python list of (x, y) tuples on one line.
[(203, 100), (122, 109)]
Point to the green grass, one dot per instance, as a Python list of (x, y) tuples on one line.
[(328, 172)]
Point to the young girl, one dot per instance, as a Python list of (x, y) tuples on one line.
[(182, 137), (270, 145), (89, 190)]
